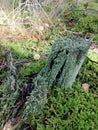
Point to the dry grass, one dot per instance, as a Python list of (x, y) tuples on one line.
[(23, 21), (28, 19)]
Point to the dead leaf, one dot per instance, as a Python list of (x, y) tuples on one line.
[(66, 12), (70, 24), (96, 96), (43, 37), (96, 50), (94, 47), (9, 125), (46, 25), (85, 87), (33, 48), (34, 38)]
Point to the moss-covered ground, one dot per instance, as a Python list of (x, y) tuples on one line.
[(76, 109)]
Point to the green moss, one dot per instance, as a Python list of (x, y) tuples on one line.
[(88, 74), (93, 55), (3, 75), (87, 24), (95, 37), (73, 110), (34, 67), (23, 49)]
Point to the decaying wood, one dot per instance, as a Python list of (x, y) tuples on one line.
[(17, 64), (61, 69), (66, 57), (74, 33), (11, 77)]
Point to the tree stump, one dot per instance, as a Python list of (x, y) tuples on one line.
[(66, 57)]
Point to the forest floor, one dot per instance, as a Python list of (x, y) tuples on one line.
[(78, 107)]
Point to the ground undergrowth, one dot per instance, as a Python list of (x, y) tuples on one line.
[(76, 109)]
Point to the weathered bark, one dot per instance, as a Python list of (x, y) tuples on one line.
[(61, 69), (11, 77), (12, 84)]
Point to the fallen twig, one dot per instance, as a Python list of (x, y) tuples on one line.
[(74, 33)]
